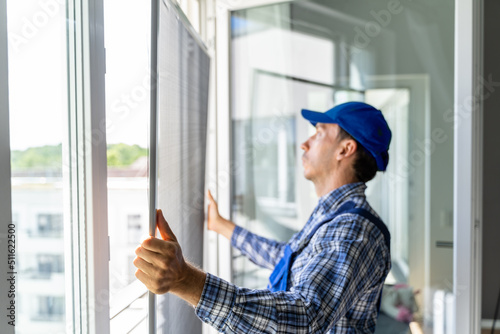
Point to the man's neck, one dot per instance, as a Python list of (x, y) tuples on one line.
[(325, 186)]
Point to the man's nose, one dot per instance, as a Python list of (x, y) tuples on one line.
[(305, 145)]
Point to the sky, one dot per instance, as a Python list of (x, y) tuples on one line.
[(38, 96)]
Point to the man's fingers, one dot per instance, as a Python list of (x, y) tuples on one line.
[(144, 278), (156, 246), (210, 197), (150, 251), (143, 265), (165, 231)]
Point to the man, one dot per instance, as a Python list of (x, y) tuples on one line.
[(328, 278)]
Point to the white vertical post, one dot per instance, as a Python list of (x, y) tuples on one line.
[(224, 132), (96, 185), (467, 166), (208, 33), (88, 169), (8, 304)]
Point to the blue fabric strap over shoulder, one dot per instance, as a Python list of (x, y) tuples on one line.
[(376, 221), (279, 277), (278, 281)]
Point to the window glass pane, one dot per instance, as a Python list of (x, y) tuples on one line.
[(316, 54), (127, 119), (38, 103)]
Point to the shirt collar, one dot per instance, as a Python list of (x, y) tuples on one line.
[(334, 198)]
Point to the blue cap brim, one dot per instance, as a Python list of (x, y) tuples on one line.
[(316, 117)]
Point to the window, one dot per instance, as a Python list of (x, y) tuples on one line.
[(183, 67), (48, 264), (55, 142), (38, 50), (135, 228), (49, 225), (50, 308), (127, 121), (59, 169)]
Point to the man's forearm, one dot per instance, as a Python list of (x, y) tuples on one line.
[(226, 228)]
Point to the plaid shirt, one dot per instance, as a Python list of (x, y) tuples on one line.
[(335, 280)]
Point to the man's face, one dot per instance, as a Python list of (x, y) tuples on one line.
[(320, 151)]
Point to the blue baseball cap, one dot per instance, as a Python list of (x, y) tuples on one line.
[(363, 122)]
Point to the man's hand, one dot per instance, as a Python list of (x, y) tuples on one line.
[(215, 222), (162, 268)]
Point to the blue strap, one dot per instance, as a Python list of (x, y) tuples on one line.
[(279, 277), (376, 221), (383, 229), (278, 280), (346, 207), (385, 232)]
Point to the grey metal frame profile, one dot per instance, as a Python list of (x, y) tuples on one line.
[(5, 183), (153, 162)]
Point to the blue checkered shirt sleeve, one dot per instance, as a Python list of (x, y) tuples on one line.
[(261, 251), (343, 266)]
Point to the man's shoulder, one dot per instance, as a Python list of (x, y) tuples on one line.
[(343, 212), (350, 224)]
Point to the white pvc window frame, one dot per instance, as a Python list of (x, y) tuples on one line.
[(467, 190), (85, 170)]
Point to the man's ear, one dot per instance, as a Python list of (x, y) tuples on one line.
[(347, 148)]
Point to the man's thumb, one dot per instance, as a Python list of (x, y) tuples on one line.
[(165, 231)]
